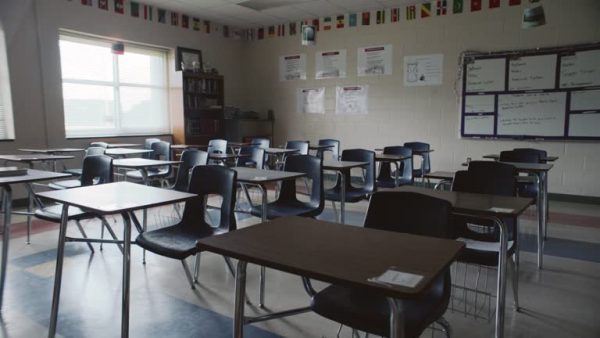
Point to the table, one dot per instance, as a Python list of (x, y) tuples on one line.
[(52, 151), (142, 164), (30, 159), (122, 152), (279, 153), (392, 158), (224, 157), (480, 205), (445, 177), (325, 251), (105, 199), (6, 182), (496, 157), (340, 167), (123, 145)]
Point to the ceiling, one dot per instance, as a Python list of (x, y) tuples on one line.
[(244, 13)]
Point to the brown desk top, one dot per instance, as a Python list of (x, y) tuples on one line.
[(471, 203), (336, 253), (340, 165), (52, 150), (34, 158), (259, 176), (137, 163), (441, 175), (497, 157), (32, 176), (531, 167), (115, 197), (320, 146), (415, 152), (390, 158)]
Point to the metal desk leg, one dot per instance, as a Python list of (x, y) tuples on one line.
[(263, 270), (7, 207), (126, 275), (396, 318), (545, 184), (144, 212), (541, 220), (60, 252), (343, 199), (501, 283), (240, 295)]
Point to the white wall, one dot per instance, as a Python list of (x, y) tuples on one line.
[(430, 114)]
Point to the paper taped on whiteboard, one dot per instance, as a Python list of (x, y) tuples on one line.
[(534, 114)]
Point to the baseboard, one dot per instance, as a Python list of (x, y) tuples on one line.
[(574, 198)]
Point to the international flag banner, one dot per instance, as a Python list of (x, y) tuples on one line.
[(514, 2), (411, 12), (148, 12), (271, 31), (162, 15), (494, 3), (236, 34), (174, 19), (425, 10), (185, 21), (207, 26), (292, 28), (457, 6), (366, 18), (316, 24), (475, 5), (226, 31), (380, 18), (339, 21), (352, 21), (119, 6), (281, 30), (327, 23), (102, 4), (196, 24), (134, 9), (395, 14), (441, 7), (87, 2), (261, 33)]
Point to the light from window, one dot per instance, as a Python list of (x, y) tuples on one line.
[(7, 127), (112, 95)]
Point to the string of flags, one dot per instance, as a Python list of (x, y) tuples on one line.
[(422, 10)]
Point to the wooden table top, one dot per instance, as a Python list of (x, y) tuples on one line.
[(126, 151), (259, 176), (415, 152), (339, 165), (137, 163), (320, 146), (441, 175), (32, 176), (531, 167), (34, 157), (390, 158), (336, 253), (497, 157), (52, 150), (115, 197)]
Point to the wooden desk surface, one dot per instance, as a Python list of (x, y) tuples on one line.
[(336, 253), (340, 165), (137, 163), (259, 176), (390, 158), (115, 197), (320, 146), (415, 152), (497, 157), (531, 167), (52, 150), (34, 157), (32, 176)]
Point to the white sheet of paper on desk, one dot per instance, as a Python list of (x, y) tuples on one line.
[(501, 210), (395, 277)]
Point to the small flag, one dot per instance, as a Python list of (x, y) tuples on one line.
[(475, 5), (281, 30), (352, 20), (380, 17), (119, 7), (207, 26), (134, 9), (87, 2), (226, 31), (327, 23), (514, 2), (185, 21), (494, 3), (395, 13), (441, 7), (102, 4), (411, 12), (271, 31), (261, 33), (339, 21), (316, 24), (425, 10), (174, 19), (457, 6), (292, 28), (196, 24), (148, 12), (366, 18), (162, 15)]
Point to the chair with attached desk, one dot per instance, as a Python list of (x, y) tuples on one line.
[(66, 184), (148, 145), (254, 157), (386, 177), (334, 150), (179, 241), (161, 150), (216, 146), (370, 312), (421, 149)]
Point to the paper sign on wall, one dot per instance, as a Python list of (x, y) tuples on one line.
[(375, 60), (311, 100), (292, 67), (423, 70), (330, 64), (352, 100)]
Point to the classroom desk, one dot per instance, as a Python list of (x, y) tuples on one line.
[(123, 152), (30, 159), (392, 158), (123, 145), (341, 167), (6, 183), (481, 205), (445, 177), (279, 153), (52, 151), (107, 199), (333, 253), (320, 148), (496, 157)]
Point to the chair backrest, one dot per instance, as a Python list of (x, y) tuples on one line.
[(261, 142), (217, 146), (523, 155), (189, 159), (148, 145), (161, 150), (312, 166), (487, 177), (361, 155), (302, 147), (211, 180), (406, 166), (94, 150), (99, 144), (420, 146), (256, 158), (97, 169), (334, 150)]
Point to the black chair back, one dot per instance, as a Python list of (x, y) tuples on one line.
[(426, 163), (335, 149), (521, 156), (302, 147), (256, 158), (97, 169), (189, 159), (94, 150), (161, 150), (360, 155), (312, 166), (406, 166), (99, 144), (261, 142), (217, 146), (148, 145)]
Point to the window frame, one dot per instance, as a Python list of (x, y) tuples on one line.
[(7, 119)]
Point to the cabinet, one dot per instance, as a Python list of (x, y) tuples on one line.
[(203, 102)]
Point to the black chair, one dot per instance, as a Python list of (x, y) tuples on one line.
[(97, 169), (99, 144), (541, 153), (287, 204), (254, 157), (261, 142), (189, 159), (302, 147), (148, 146), (161, 150), (421, 149), (335, 148), (179, 241), (368, 311), (216, 146), (387, 177), (67, 184)]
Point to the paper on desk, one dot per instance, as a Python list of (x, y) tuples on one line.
[(502, 210), (395, 277)]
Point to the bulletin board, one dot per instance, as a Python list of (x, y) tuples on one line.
[(551, 93)]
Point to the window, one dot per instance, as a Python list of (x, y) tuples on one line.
[(113, 95), (7, 127)]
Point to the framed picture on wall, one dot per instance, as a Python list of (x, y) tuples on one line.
[(188, 59)]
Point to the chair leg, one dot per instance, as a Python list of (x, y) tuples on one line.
[(515, 281), (445, 326), (197, 267), (339, 330), (102, 234), (335, 213), (111, 232), (188, 274), (229, 265), (84, 235)]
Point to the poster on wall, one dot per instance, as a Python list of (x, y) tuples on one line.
[(330, 64), (292, 67), (311, 100), (423, 70), (352, 100), (374, 60)]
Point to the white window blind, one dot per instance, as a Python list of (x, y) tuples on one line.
[(7, 127), (105, 94)]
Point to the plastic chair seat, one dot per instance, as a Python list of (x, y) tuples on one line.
[(289, 208), (53, 213), (66, 184), (370, 312), (176, 241), (353, 194)]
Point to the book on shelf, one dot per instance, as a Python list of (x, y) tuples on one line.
[(12, 171)]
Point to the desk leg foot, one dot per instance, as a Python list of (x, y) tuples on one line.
[(60, 251)]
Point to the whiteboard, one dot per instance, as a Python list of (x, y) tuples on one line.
[(486, 75), (532, 114), (532, 72), (479, 104), (582, 69), (585, 100), (479, 125), (584, 125)]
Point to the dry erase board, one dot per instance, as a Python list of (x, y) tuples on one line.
[(551, 93)]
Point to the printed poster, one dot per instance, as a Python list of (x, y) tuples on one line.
[(423, 70), (375, 60), (292, 67), (352, 100), (311, 100), (330, 64)]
